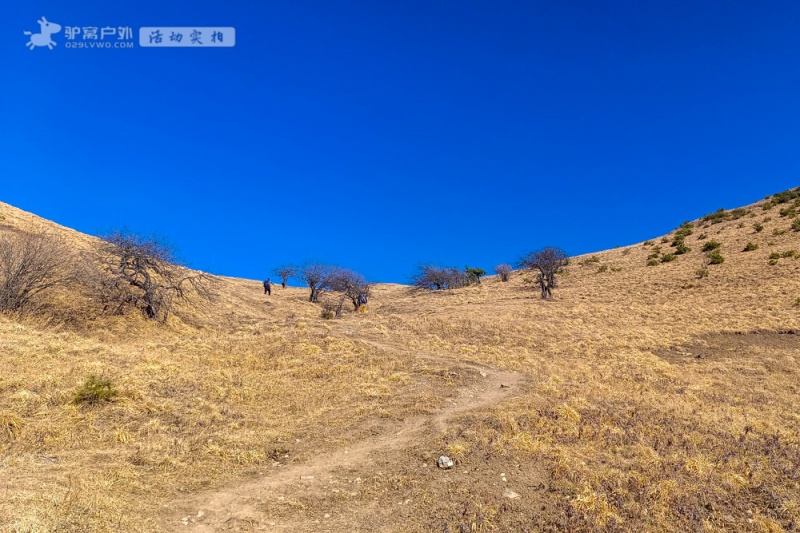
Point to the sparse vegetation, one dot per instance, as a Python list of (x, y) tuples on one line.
[(317, 277), (602, 268), (710, 246), (667, 258), (796, 224), (474, 275), (750, 246), (758, 227)]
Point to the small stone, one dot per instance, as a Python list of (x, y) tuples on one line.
[(200, 514), (327, 515), (504, 386), (508, 493), (483, 374), (445, 462)]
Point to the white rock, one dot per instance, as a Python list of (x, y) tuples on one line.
[(445, 462)]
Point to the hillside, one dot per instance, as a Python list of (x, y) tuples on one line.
[(639, 398)]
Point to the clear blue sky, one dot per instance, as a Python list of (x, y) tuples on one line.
[(380, 135)]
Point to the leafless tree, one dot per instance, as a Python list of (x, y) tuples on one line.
[(31, 264), (318, 278), (504, 271), (546, 262), (285, 272), (350, 285), (144, 274), (438, 278)]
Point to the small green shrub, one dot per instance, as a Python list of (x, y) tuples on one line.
[(767, 219), (95, 390), (796, 224), (682, 249), (759, 227), (652, 262), (775, 255), (789, 253), (702, 236), (664, 239), (778, 232), (750, 247), (626, 251), (602, 268), (590, 260), (616, 269), (647, 243), (667, 258), (715, 258), (717, 216), (788, 212), (711, 245), (701, 273), (772, 262)]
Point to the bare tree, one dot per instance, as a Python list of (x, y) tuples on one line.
[(144, 274), (438, 278), (504, 271), (318, 278), (31, 264), (350, 285), (546, 262), (285, 272)]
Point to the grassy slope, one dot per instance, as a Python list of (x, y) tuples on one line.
[(610, 433)]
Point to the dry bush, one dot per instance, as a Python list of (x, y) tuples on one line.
[(285, 272), (318, 278), (546, 263), (504, 271), (439, 278), (30, 265), (143, 274)]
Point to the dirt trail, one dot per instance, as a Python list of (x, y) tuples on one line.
[(240, 507)]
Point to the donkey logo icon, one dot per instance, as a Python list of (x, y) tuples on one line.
[(43, 37)]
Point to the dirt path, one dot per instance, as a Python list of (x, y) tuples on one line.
[(242, 507)]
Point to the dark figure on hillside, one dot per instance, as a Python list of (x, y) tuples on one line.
[(268, 287), (362, 299)]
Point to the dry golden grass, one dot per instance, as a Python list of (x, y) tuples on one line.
[(620, 427)]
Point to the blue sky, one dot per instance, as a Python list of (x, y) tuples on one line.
[(382, 135)]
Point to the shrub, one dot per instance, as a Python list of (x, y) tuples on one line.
[(647, 243), (701, 273), (667, 258), (772, 262), (788, 212), (715, 258), (31, 265), (682, 249), (437, 278), (702, 236), (652, 262), (711, 245), (602, 268), (778, 232), (474, 275), (796, 224), (738, 213), (789, 253), (717, 216), (775, 256), (504, 271), (590, 260), (94, 390), (750, 247), (616, 269), (758, 227), (767, 219), (665, 239)]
